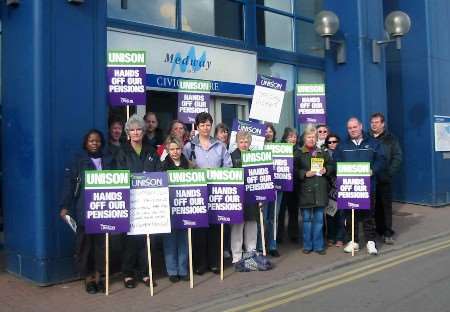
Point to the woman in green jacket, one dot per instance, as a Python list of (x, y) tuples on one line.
[(312, 165)]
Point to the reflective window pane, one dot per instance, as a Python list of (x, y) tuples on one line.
[(309, 75), (282, 5), (307, 41), (274, 30), (156, 12), (308, 8), (286, 72), (221, 18)]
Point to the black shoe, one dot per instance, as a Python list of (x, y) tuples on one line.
[(129, 283), (305, 251), (214, 269), (91, 288), (184, 278), (321, 252), (274, 253), (388, 240), (146, 281), (199, 271), (174, 278), (101, 286)]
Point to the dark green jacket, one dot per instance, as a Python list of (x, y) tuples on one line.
[(312, 192), (392, 153)]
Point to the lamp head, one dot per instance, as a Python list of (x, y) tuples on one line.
[(397, 23), (326, 23)]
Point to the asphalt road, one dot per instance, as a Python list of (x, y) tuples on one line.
[(414, 279)]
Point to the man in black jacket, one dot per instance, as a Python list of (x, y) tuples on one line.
[(393, 156)]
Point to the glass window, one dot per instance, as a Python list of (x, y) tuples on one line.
[(282, 5), (308, 8), (215, 18), (274, 30), (286, 72), (307, 41), (157, 12), (309, 75)]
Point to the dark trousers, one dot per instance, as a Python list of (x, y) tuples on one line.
[(206, 244), (289, 204), (134, 256), (336, 227), (383, 210), (89, 253), (365, 219)]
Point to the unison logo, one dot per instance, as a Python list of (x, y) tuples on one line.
[(190, 63)]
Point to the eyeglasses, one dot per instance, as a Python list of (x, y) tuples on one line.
[(322, 131), (332, 142)]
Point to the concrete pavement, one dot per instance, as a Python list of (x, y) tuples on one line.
[(412, 223)]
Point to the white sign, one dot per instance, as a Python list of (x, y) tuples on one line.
[(149, 204), (442, 133), (268, 99)]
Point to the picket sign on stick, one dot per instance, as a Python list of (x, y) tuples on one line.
[(353, 232), (221, 251), (275, 217), (261, 221), (107, 263), (150, 271), (191, 275), (128, 112)]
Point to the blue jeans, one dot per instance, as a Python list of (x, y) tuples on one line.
[(270, 209), (175, 252), (313, 229)]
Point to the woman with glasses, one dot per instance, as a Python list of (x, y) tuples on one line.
[(335, 218), (322, 133)]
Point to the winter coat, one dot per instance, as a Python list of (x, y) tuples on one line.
[(250, 210), (168, 164), (215, 156), (369, 150), (393, 156), (312, 191), (73, 187), (148, 161)]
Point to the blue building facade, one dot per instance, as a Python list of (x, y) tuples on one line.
[(53, 61)]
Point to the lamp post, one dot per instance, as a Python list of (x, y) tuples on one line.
[(397, 24), (326, 25)]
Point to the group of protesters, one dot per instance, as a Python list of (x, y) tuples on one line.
[(139, 145)]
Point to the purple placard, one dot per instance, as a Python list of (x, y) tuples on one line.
[(259, 185), (107, 210), (189, 206), (353, 192), (190, 104), (311, 109), (283, 167), (271, 82), (225, 203), (126, 85)]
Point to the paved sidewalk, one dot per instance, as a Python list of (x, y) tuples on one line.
[(412, 224)]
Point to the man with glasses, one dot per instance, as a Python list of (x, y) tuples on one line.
[(393, 155)]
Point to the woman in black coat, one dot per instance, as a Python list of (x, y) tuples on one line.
[(136, 157), (89, 248)]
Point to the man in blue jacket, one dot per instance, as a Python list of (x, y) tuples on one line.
[(359, 147)]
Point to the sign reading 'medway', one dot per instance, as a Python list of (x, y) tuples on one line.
[(107, 201), (230, 71)]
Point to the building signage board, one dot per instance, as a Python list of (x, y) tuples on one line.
[(229, 71)]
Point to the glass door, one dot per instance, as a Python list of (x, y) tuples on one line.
[(226, 109)]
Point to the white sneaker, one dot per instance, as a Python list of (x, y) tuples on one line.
[(371, 249), (351, 245)]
